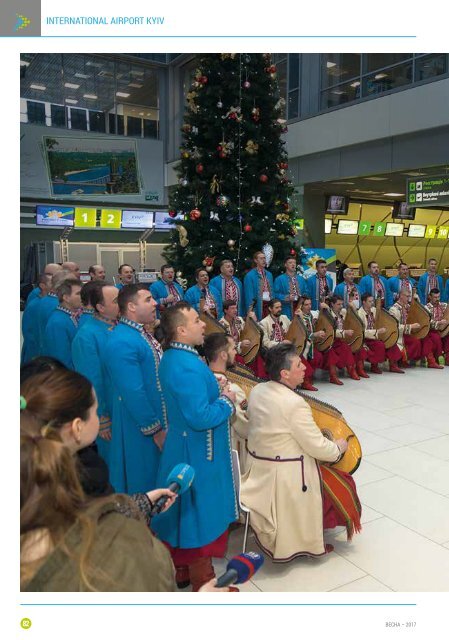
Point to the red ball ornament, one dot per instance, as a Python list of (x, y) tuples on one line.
[(195, 214), (199, 168), (203, 79), (247, 228), (292, 252), (263, 177), (172, 214), (222, 154)]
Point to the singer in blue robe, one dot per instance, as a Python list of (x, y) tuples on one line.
[(313, 289), (424, 286), (87, 348), (138, 408), (218, 284), (445, 296), (282, 291), (85, 316), (43, 311), (342, 290), (160, 290), (193, 297), (395, 284), (59, 333), (368, 285), (30, 331), (33, 295), (199, 436), (253, 290)]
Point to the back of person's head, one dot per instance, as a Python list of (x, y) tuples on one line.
[(171, 319), (87, 290), (97, 293), (41, 364), (214, 343), (279, 357), (60, 276), (128, 294)]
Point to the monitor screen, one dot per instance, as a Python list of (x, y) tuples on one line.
[(135, 219), (164, 222), (55, 216), (417, 230), (394, 229), (348, 227), (337, 204), (402, 211), (327, 225)]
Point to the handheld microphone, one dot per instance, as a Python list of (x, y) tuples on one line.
[(240, 569), (179, 480)]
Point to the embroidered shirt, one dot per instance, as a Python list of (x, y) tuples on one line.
[(69, 313), (277, 332)]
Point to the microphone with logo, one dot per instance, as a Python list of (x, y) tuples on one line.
[(240, 569), (179, 480)]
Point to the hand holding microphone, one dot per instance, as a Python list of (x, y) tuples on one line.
[(240, 569), (179, 480)]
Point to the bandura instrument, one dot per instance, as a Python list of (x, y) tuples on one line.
[(325, 323), (252, 332), (387, 321), (212, 324), (418, 313), (354, 323), (297, 334), (444, 332), (330, 421)]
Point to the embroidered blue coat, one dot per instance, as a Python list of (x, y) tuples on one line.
[(87, 348), (86, 315), (252, 288), (366, 285), (30, 331), (199, 436), (138, 408), (423, 287), (313, 289), (282, 291), (33, 295), (43, 311), (446, 292), (59, 333), (342, 290), (218, 284), (193, 296), (160, 291), (395, 284)]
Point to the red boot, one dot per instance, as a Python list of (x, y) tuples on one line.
[(182, 577), (352, 373), (201, 571), (394, 367), (333, 379), (432, 363), (307, 385), (375, 368), (361, 370)]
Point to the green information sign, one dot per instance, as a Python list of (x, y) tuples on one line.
[(431, 191), (85, 217), (364, 228), (110, 218), (379, 228)]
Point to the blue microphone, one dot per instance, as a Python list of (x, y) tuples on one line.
[(179, 480), (240, 569)]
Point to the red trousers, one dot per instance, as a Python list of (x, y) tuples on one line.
[(434, 343), (377, 352), (413, 348), (215, 549), (343, 354), (309, 369)]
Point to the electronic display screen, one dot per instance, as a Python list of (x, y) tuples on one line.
[(327, 225), (55, 216), (417, 230), (164, 222), (348, 227), (394, 229), (135, 219), (337, 204)]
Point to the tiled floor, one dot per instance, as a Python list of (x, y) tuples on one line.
[(402, 423)]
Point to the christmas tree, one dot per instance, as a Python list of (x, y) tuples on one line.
[(233, 194)]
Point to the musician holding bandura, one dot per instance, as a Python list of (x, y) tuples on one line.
[(438, 326), (410, 346)]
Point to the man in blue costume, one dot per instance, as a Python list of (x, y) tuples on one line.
[(195, 529), (289, 287), (131, 358), (320, 285), (88, 347), (87, 310), (429, 280), (376, 285), (202, 290), (166, 291), (97, 273), (62, 323), (348, 290), (50, 269), (126, 273), (258, 285), (402, 281), (446, 292), (228, 287), (48, 303), (30, 329)]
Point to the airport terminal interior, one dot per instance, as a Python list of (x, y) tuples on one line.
[(363, 133)]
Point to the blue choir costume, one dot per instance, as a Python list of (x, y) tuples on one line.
[(85, 316), (396, 284), (87, 348), (227, 290), (160, 290), (194, 294), (33, 295), (30, 331), (199, 436), (427, 282), (344, 289), (131, 358), (259, 286), (369, 284), (284, 286), (319, 288), (43, 310), (59, 333), (446, 292)]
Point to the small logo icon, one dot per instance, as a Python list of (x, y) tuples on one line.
[(22, 22), (25, 623)]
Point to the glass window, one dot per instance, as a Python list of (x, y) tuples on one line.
[(339, 67), (340, 95), (388, 79), (134, 126), (97, 121), (36, 112), (375, 61), (58, 115), (78, 119), (293, 104), (150, 129), (293, 71), (430, 66)]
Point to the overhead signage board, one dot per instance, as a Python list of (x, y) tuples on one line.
[(110, 218), (85, 217), (348, 227), (432, 191), (136, 219), (394, 229)]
